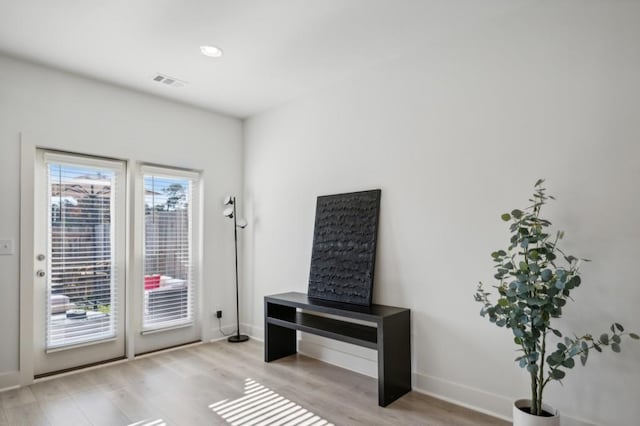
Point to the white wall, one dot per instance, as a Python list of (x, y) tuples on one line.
[(455, 132), (59, 110)]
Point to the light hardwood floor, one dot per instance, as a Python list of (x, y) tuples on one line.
[(222, 383)]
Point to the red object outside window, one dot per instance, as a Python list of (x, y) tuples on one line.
[(151, 282)]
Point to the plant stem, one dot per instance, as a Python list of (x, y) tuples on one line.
[(541, 373), (534, 395)]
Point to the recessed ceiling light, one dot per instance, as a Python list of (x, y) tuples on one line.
[(211, 51)]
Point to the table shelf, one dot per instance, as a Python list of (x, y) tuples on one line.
[(390, 337), (349, 332)]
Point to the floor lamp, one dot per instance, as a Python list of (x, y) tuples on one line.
[(230, 212)]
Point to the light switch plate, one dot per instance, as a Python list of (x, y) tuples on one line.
[(6, 247)]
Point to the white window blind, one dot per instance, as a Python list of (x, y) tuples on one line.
[(169, 280), (82, 300)]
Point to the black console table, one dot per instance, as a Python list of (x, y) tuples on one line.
[(391, 337)]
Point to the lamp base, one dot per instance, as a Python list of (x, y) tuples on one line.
[(238, 338)]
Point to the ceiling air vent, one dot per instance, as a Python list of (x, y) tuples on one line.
[(169, 81)]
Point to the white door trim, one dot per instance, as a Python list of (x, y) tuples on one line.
[(28, 151), (28, 156), (201, 323), (27, 253)]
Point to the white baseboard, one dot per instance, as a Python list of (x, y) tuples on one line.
[(465, 396), (354, 358), (254, 331), (9, 380), (364, 361), (227, 330), (476, 399)]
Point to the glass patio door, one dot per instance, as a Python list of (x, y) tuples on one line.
[(168, 228), (79, 244)]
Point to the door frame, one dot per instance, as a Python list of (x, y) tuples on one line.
[(27, 259), (28, 157), (78, 354), (137, 267), (28, 150)]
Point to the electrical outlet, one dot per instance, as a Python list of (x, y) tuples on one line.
[(6, 246), (218, 314)]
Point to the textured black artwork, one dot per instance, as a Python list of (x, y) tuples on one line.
[(344, 247)]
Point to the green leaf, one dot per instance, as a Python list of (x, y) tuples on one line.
[(506, 217), (634, 336), (583, 359), (604, 338), (615, 347), (619, 327), (532, 368), (573, 282), (558, 301), (574, 351), (616, 338), (503, 302), (539, 182), (524, 267), (597, 347), (557, 374), (557, 357), (516, 213), (569, 363), (562, 275), (546, 275)]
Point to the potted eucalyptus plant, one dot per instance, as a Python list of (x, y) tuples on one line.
[(535, 280)]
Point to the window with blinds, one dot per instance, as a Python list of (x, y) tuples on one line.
[(169, 285), (81, 287)]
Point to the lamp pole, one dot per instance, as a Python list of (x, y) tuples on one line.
[(238, 337)]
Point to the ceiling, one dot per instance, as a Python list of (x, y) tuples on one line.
[(274, 50)]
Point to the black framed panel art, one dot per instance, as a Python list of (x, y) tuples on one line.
[(344, 247)]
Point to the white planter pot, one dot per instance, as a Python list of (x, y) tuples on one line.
[(523, 418)]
